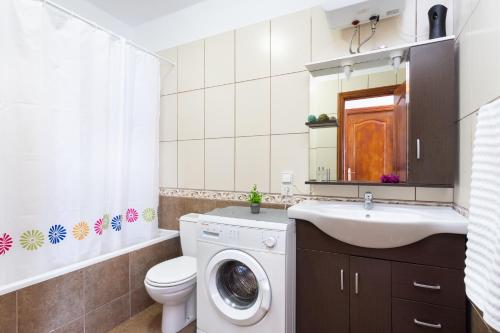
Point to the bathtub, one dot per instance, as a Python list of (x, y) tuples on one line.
[(163, 235)]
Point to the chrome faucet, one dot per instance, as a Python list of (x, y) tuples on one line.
[(368, 204)]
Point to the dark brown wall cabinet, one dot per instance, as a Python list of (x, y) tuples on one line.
[(348, 289), (433, 113)]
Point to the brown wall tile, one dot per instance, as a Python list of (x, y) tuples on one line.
[(77, 326), (8, 313), (51, 304), (172, 208), (108, 316), (139, 300), (142, 260), (106, 281)]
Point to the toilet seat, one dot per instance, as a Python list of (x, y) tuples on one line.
[(173, 272)]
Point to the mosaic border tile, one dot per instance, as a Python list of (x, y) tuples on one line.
[(277, 198)]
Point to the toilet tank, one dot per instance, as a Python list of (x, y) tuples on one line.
[(187, 226)]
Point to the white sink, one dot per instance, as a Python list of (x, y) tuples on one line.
[(384, 226)]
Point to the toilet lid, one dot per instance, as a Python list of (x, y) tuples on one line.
[(173, 271)]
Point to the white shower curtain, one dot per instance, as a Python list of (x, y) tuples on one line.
[(79, 113)]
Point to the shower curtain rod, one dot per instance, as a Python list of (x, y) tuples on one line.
[(67, 11)]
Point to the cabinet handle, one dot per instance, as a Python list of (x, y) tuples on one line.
[(342, 279), (356, 283), (418, 148), (426, 286), (424, 324)]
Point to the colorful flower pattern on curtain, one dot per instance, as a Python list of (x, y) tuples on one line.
[(32, 240)]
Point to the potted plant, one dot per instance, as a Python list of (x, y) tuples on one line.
[(255, 198)]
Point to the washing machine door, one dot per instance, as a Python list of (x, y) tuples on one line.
[(238, 287)]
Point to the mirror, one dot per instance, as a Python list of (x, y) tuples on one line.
[(368, 142)]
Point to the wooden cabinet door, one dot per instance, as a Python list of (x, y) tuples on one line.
[(432, 143), (322, 292), (370, 301)]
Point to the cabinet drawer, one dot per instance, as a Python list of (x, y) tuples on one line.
[(441, 286), (416, 317)]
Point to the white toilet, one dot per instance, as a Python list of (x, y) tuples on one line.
[(173, 282)]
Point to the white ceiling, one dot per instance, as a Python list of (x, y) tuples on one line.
[(136, 12)]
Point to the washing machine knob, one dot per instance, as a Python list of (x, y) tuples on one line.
[(270, 242)]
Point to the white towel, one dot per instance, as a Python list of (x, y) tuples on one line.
[(482, 272)]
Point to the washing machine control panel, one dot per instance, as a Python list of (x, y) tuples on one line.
[(243, 237)]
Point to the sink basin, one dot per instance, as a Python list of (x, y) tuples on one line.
[(384, 226)]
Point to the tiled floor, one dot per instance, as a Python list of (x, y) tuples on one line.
[(148, 321)]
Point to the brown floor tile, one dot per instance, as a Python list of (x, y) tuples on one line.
[(148, 321), (108, 316), (106, 281), (8, 313), (51, 304), (78, 326), (142, 260)]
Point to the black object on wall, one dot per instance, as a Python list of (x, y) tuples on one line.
[(437, 21)]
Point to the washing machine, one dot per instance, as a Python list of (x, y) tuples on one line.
[(246, 271)]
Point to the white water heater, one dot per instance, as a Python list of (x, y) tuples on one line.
[(341, 13)]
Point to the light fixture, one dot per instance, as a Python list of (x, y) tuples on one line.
[(347, 68), (396, 59)]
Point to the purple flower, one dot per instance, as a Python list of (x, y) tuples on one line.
[(392, 178)]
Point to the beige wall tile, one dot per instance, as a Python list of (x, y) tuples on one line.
[(401, 74), (462, 10), (462, 187), (191, 61), (323, 95), (168, 118), (168, 72), (465, 72), (323, 137), (191, 164), (252, 163), (345, 191), (191, 115), (219, 111), (423, 7), (382, 79), (323, 158), (219, 165), (434, 194), (168, 164), (253, 107), (253, 52), (485, 53), (289, 103), (290, 42), (389, 192), (290, 153), (219, 59), (355, 82)]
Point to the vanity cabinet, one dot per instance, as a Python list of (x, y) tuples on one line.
[(432, 114), (343, 288)]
